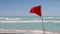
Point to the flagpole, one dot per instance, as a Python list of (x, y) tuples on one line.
[(44, 30)]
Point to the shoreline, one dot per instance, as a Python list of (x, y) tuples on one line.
[(25, 31)]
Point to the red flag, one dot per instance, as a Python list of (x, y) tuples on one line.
[(36, 10)]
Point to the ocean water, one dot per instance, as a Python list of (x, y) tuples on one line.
[(52, 24)]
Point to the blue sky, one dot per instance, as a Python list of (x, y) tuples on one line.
[(22, 7)]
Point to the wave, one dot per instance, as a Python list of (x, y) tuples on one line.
[(19, 18), (22, 21), (26, 31), (25, 21)]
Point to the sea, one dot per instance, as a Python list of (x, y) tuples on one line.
[(51, 23)]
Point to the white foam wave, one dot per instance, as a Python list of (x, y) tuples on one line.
[(23, 21), (25, 31), (49, 18), (54, 21), (10, 18)]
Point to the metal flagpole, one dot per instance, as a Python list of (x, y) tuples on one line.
[(44, 30)]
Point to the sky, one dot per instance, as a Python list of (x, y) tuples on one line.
[(22, 7)]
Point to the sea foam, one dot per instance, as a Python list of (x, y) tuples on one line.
[(25, 31)]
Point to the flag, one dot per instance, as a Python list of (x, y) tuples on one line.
[(36, 10)]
